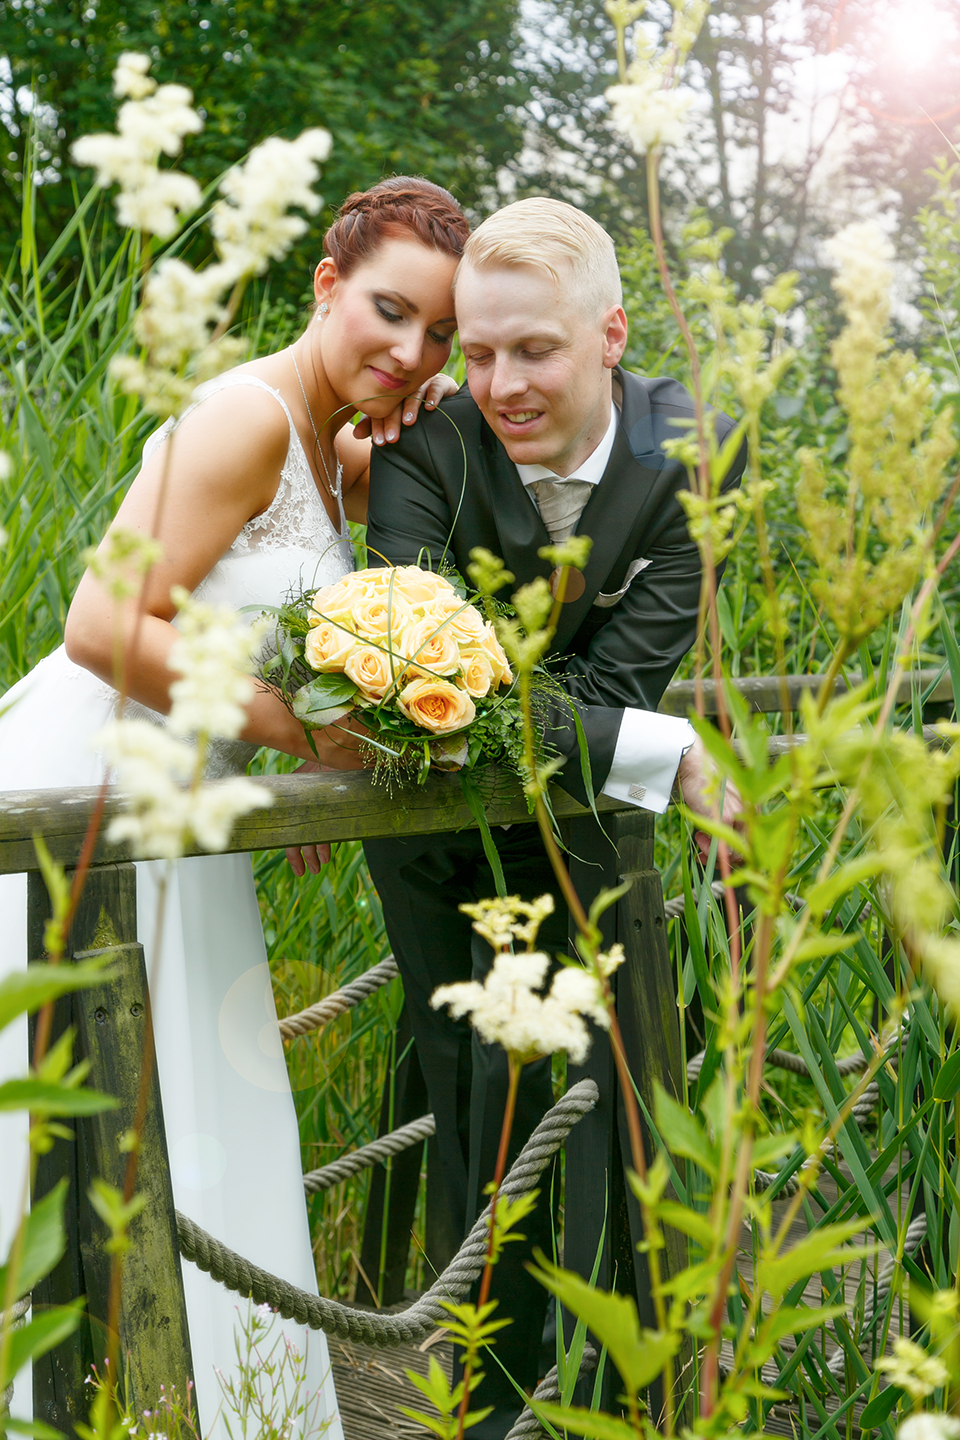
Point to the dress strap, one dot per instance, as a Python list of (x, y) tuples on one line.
[(203, 392)]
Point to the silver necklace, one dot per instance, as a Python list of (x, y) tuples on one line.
[(334, 490)]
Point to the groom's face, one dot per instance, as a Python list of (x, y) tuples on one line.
[(538, 364)]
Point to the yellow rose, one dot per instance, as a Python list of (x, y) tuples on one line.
[(463, 622), (492, 648), (477, 676), (436, 705), (420, 587), (369, 669), (328, 646), (433, 651), (334, 602), (376, 615)]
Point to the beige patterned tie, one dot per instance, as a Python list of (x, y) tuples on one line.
[(561, 503)]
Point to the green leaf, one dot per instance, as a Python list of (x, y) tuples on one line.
[(48, 1329), (639, 1355), (824, 896), (880, 1408), (39, 984), (43, 1244), (593, 1423), (322, 701), (472, 795), (821, 943), (682, 1131), (43, 1098), (36, 1428), (794, 1320), (947, 1083), (816, 1252), (688, 1222)]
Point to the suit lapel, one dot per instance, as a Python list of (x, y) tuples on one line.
[(613, 508)]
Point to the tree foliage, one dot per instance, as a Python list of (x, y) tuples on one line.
[(404, 86)]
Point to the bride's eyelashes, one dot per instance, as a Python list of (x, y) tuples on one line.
[(396, 317)]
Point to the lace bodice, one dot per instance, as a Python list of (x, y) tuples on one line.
[(296, 517)]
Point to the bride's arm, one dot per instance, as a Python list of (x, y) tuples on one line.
[(195, 493)]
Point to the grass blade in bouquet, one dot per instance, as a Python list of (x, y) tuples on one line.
[(407, 653)]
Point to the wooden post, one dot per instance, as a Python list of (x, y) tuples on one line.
[(598, 1148), (115, 1035)]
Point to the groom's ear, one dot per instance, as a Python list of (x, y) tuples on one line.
[(614, 325)]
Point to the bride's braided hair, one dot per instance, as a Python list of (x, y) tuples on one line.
[(403, 206)]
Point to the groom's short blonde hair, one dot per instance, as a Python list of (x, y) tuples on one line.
[(558, 239)]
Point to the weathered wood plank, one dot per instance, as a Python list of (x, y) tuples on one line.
[(764, 693), (337, 805), (116, 1036)]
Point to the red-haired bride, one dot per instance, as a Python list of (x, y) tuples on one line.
[(259, 490)]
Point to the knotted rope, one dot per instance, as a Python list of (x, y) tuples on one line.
[(330, 1006), (373, 1154), (425, 1314), (528, 1426)]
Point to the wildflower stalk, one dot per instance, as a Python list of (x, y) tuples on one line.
[(514, 1070)]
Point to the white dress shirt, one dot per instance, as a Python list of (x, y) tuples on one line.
[(650, 746)]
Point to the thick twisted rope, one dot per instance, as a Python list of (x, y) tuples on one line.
[(425, 1314), (330, 1006), (373, 1154), (873, 1311), (528, 1426)]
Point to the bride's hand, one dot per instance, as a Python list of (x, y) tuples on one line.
[(388, 429), (339, 749)]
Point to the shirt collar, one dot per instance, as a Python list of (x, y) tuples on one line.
[(589, 470)]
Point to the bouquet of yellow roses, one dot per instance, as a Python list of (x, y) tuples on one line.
[(405, 649)]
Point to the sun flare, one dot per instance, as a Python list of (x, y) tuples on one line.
[(915, 33)]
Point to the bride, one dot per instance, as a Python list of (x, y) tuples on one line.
[(260, 485)]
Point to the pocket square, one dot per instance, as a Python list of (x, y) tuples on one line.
[(605, 601)]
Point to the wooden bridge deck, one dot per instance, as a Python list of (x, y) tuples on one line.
[(372, 1385)]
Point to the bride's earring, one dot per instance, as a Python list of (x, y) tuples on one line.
[(323, 310)]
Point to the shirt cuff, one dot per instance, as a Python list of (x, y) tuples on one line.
[(649, 749)]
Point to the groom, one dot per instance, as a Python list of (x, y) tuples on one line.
[(559, 440)]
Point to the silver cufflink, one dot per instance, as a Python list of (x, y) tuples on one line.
[(637, 792)]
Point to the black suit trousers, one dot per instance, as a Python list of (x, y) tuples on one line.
[(422, 882)]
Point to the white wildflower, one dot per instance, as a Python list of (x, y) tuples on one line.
[(164, 811), (646, 111), (913, 1369), (214, 654), (862, 255), (610, 960), (130, 78), (688, 21), (501, 921), (152, 123), (577, 989), (179, 305), (506, 1010), (158, 205), (926, 1426), (251, 226)]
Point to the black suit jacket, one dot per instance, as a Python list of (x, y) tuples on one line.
[(448, 485)]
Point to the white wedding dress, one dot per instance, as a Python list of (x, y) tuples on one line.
[(230, 1120)]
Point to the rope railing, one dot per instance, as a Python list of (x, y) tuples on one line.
[(425, 1314), (548, 1391), (327, 1009), (375, 1153)]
